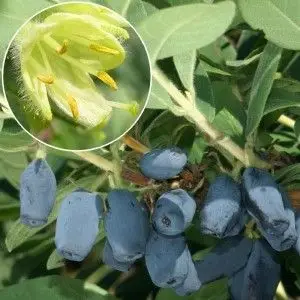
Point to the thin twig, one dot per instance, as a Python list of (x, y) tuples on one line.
[(97, 160), (135, 145), (287, 121)]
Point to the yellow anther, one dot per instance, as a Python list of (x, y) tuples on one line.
[(63, 48), (48, 79), (107, 79), (73, 106), (103, 49)]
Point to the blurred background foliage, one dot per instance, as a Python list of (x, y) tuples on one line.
[(242, 81)]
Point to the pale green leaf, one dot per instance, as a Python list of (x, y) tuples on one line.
[(159, 98), (54, 288), (279, 19), (205, 99), (167, 31), (185, 64), (261, 86), (15, 142), (280, 99)]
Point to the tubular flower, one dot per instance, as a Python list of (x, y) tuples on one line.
[(59, 56)]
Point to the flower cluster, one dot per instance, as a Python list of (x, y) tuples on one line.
[(62, 55)]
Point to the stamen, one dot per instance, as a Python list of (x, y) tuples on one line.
[(103, 49), (107, 79), (63, 48), (48, 79), (73, 106)]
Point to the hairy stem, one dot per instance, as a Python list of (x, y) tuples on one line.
[(202, 123)]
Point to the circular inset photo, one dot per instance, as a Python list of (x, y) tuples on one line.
[(83, 76)]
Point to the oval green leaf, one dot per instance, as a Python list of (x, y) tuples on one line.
[(279, 19)]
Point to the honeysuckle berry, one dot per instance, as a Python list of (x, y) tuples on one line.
[(77, 225), (126, 225), (110, 260), (37, 193), (222, 213), (59, 55), (264, 201), (173, 212), (161, 164)]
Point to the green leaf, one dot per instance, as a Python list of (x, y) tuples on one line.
[(11, 166), (198, 150), (54, 288), (167, 31), (15, 142), (288, 174), (281, 98), (185, 64), (159, 98), (297, 129), (164, 130), (230, 116), (279, 19), (55, 261), (205, 99), (216, 290), (133, 10), (219, 51), (19, 233), (261, 86)]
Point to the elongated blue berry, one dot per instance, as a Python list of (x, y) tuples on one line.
[(77, 225), (297, 225), (264, 201), (222, 214), (37, 193), (167, 260), (126, 225), (109, 259), (161, 164), (262, 273), (228, 257), (173, 212), (192, 283), (235, 284), (286, 240)]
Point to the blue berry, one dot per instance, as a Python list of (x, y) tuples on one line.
[(109, 259), (297, 224), (127, 226), (235, 284), (286, 240), (77, 225), (222, 214), (192, 283), (167, 260), (228, 257), (264, 202), (259, 279), (37, 193), (173, 212), (161, 164)]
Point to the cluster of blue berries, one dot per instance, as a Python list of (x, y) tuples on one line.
[(249, 261), (251, 265)]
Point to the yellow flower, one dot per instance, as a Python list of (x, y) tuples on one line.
[(59, 55)]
